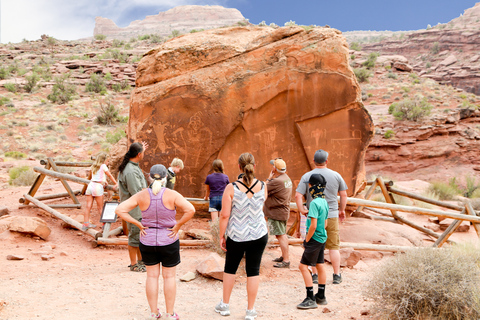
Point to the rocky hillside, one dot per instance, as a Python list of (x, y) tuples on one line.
[(447, 53), (181, 19)]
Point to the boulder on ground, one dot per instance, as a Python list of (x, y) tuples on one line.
[(212, 267), (189, 276), (32, 225), (199, 234), (4, 211), (402, 66), (282, 92)]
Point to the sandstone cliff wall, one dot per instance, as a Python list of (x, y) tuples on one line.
[(273, 92)]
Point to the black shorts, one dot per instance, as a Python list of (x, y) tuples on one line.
[(168, 256), (313, 253), (253, 251)]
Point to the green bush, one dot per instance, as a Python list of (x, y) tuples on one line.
[(155, 38), (32, 82), (12, 87), (124, 85), (4, 74), (392, 75), (412, 110), (62, 90), (117, 43), (389, 134), (21, 176), (15, 154), (435, 48), (175, 33), (107, 113), (4, 100), (96, 84), (471, 187), (355, 46), (362, 74), (144, 37), (122, 57), (443, 190), (114, 137), (100, 37), (372, 59), (428, 283)]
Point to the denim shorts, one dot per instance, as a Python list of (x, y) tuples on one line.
[(215, 204)]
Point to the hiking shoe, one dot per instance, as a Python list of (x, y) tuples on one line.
[(337, 278), (251, 314), (171, 316), (157, 315), (307, 304), (315, 278), (321, 301), (138, 268), (282, 264), (223, 308), (279, 259), (87, 226)]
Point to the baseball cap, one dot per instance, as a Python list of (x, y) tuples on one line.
[(158, 169), (317, 179), (279, 164), (320, 156)]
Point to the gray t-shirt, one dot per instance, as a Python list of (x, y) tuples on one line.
[(335, 183)]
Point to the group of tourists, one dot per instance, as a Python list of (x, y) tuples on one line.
[(246, 209)]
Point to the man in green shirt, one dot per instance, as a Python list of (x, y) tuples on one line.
[(131, 181)]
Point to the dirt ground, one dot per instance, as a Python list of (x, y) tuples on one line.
[(82, 282)]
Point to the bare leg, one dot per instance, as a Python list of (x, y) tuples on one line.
[(88, 208), (214, 215), (132, 253), (153, 273), (169, 288), (99, 201), (228, 282), (322, 274), (283, 241), (307, 277), (252, 290), (335, 258)]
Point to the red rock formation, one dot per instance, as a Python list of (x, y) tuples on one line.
[(182, 18), (273, 92), (428, 50)]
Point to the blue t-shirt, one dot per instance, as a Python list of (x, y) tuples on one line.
[(318, 210), (217, 182)]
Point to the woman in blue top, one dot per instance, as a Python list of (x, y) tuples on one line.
[(215, 185), (243, 222)]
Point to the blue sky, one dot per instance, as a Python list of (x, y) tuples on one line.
[(69, 20)]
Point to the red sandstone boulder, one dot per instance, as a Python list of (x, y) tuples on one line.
[(282, 92)]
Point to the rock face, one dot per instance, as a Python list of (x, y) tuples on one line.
[(182, 18), (445, 53), (282, 92)]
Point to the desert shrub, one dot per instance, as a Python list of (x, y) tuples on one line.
[(96, 84), (443, 190), (100, 37), (355, 46), (62, 90), (290, 23), (107, 113), (127, 46), (428, 283), (392, 75), (12, 87), (32, 82), (471, 187), (108, 76), (389, 134), (155, 38), (435, 48), (121, 56), (124, 85), (144, 37), (114, 137), (22, 176), (4, 100), (117, 43), (4, 74), (15, 154), (409, 109), (371, 60), (362, 74), (175, 33)]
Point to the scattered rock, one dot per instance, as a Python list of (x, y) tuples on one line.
[(402, 66), (47, 257), (212, 266), (63, 253), (4, 211), (365, 312), (189, 276), (199, 234), (14, 257), (326, 310)]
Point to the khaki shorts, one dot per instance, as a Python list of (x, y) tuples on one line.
[(133, 235), (277, 227), (333, 237)]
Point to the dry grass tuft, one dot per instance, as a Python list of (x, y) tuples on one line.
[(428, 283)]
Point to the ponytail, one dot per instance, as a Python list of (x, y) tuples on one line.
[(158, 184), (133, 151), (247, 163)]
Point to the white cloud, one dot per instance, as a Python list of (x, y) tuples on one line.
[(69, 20)]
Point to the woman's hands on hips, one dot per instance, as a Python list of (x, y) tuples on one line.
[(174, 231)]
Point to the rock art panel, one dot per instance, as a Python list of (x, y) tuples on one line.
[(282, 92)]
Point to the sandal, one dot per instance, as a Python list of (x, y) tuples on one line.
[(137, 268)]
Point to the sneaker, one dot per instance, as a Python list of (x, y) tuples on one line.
[(282, 264), (279, 259), (223, 308), (315, 278), (157, 315), (307, 304), (251, 314), (337, 278), (321, 301), (87, 226), (171, 316)]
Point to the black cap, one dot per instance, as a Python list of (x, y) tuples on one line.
[(317, 179)]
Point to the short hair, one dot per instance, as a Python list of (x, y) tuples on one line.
[(176, 162), (217, 166)]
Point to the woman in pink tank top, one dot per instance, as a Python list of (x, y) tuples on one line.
[(159, 242)]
